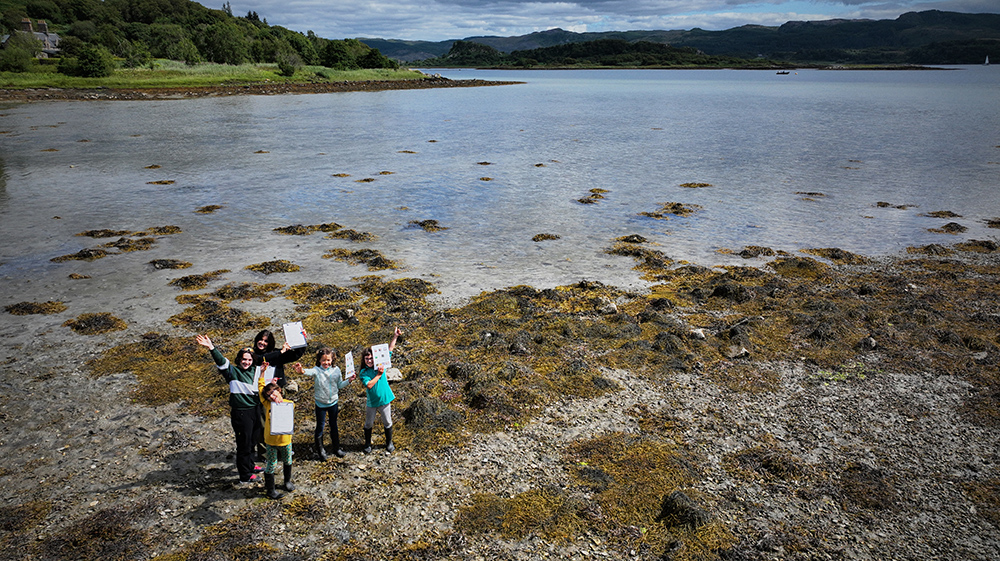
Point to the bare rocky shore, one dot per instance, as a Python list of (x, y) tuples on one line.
[(716, 446)]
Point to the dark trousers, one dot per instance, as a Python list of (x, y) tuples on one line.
[(246, 425), (321, 413)]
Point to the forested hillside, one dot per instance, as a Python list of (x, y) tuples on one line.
[(140, 30), (600, 53), (929, 37)]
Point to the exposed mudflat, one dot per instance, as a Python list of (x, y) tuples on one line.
[(753, 448)]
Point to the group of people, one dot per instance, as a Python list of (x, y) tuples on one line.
[(256, 379)]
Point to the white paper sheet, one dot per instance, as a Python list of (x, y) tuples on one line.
[(295, 334), (282, 417), (380, 355), (349, 366)]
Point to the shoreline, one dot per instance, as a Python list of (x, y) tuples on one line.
[(134, 94), (780, 457)]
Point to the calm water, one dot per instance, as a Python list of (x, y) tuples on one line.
[(925, 139)]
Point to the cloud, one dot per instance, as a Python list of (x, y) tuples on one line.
[(438, 20)]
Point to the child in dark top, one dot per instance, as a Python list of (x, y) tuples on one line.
[(380, 395), (243, 405), (263, 350), (328, 383)]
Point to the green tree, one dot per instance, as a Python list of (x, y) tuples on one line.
[(95, 62), (375, 59), (19, 54), (337, 55), (225, 43), (288, 63)]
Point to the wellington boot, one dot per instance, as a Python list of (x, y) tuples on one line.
[(320, 451), (269, 486), (289, 486), (368, 441), (389, 446)]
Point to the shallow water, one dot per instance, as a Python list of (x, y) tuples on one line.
[(926, 140)]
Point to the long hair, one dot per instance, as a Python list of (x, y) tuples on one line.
[(239, 356), (264, 334)]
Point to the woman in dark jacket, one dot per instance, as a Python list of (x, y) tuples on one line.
[(263, 351)]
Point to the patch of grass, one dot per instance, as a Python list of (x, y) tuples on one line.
[(29, 308), (95, 324), (175, 74)]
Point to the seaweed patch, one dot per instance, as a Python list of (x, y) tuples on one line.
[(428, 225), (95, 324), (272, 267), (30, 308), (370, 257), (197, 282)]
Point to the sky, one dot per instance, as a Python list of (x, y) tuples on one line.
[(440, 20)]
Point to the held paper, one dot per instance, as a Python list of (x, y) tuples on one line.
[(282, 417), (295, 334)]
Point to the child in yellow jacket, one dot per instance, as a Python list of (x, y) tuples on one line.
[(278, 446)]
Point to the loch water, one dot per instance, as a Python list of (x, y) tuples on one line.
[(792, 161)]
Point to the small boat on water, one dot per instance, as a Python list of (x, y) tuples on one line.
[(786, 72)]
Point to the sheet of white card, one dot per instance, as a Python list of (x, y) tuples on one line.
[(295, 334), (282, 417), (349, 366), (380, 355)]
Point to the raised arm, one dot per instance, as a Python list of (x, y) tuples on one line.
[(395, 337)]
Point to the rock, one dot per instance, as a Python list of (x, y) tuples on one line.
[(393, 375), (867, 344)]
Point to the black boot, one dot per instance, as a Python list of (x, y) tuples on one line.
[(389, 446), (289, 486), (335, 437), (368, 441), (269, 486), (320, 451)]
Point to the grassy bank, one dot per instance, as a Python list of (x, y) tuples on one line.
[(174, 74)]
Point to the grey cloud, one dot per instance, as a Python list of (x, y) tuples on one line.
[(456, 19)]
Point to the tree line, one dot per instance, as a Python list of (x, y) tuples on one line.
[(137, 31), (598, 53)]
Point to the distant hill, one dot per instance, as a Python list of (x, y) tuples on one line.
[(929, 37)]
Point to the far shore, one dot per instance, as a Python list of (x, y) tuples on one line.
[(260, 88)]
